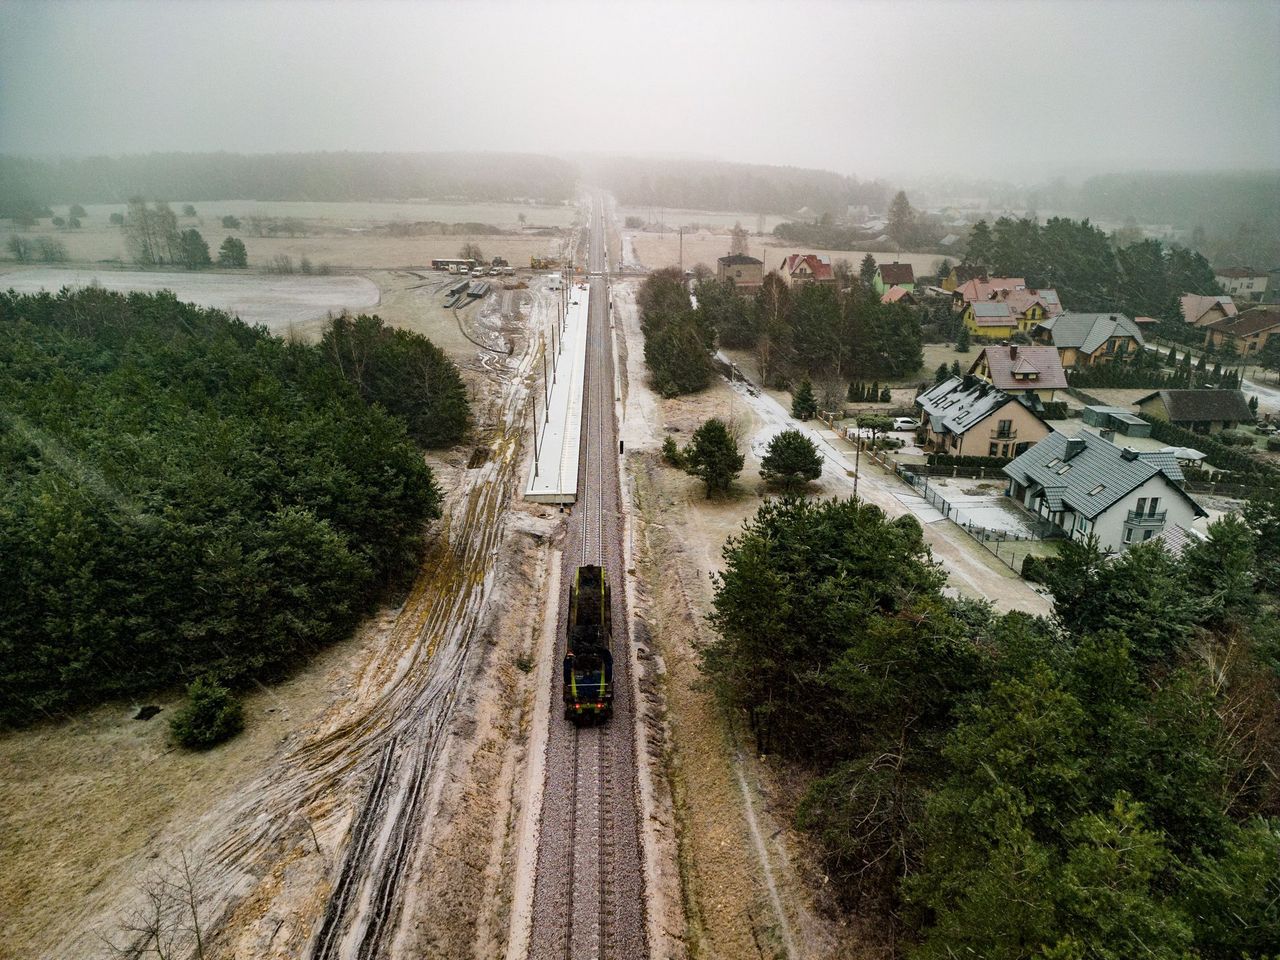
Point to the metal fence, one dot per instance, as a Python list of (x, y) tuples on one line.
[(1008, 546)]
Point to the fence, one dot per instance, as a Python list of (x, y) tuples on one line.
[(1008, 546)]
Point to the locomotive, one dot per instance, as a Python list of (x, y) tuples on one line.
[(588, 660)]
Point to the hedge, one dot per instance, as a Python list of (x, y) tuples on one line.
[(1218, 454), (947, 460)]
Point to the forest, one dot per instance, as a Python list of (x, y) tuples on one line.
[(738, 187), (183, 495), (1090, 272), (28, 184), (1099, 784)]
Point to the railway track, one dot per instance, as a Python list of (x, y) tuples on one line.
[(589, 891)]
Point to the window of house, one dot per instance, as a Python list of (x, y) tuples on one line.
[(1128, 534), (1146, 534), (1053, 463), (1097, 490), (1155, 502), (1142, 505), (992, 448), (1063, 469), (1004, 449), (1005, 428)]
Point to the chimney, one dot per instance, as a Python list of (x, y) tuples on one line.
[(1013, 351), (1074, 445), (1128, 453)]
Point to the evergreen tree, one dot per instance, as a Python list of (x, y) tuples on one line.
[(712, 456), (804, 406), (194, 252), (867, 271), (232, 253), (791, 460), (941, 373), (962, 339)]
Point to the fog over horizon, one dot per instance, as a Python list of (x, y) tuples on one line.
[(999, 90)]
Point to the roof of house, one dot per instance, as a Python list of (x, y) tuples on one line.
[(819, 266), (740, 259), (1088, 331), (981, 288), (894, 294), (958, 403), (1005, 362), (949, 239), (1238, 273), (1194, 306), (895, 272), (992, 313), (1202, 406), (1177, 538), (1249, 322), (1096, 476), (1024, 299)]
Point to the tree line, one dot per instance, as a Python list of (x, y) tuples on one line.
[(1099, 784), (1089, 271), (30, 184), (721, 185), (185, 495)]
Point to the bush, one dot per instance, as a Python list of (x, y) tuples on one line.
[(210, 716), (116, 219), (1273, 444), (672, 453), (1235, 438), (230, 223)]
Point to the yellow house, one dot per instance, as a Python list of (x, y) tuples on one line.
[(1014, 311)]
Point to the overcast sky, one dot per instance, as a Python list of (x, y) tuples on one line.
[(1001, 89)]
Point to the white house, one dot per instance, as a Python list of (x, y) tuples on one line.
[(1086, 485)]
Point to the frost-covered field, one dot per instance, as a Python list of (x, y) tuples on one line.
[(279, 302), (504, 215)]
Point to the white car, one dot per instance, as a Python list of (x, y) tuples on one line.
[(904, 423)]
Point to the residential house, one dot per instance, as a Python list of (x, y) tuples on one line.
[(1199, 311), (1204, 411), (1087, 339), (899, 295), (1010, 311), (984, 288), (747, 273), (1021, 371), (1246, 333), (1087, 485), (1245, 282), (801, 268), (961, 273), (968, 417), (889, 275)]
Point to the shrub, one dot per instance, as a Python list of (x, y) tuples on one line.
[(230, 223), (210, 716), (672, 453), (791, 460), (116, 219), (1273, 444)]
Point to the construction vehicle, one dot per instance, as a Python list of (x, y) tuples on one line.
[(588, 660), (544, 263)]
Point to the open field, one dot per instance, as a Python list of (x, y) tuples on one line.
[(674, 218), (503, 215), (282, 303), (348, 236)]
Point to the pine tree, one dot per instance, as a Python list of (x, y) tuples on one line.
[(941, 373), (804, 406), (962, 340)]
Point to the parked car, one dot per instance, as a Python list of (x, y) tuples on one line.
[(904, 423)]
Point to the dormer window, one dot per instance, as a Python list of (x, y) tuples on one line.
[(1063, 469), (1097, 490)]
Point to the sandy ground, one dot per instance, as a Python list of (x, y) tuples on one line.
[(94, 806), (742, 896)]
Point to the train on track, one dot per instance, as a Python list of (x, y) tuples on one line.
[(588, 660)]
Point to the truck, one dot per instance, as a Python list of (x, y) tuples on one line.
[(588, 659)]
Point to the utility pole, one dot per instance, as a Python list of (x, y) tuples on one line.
[(534, 411), (682, 251)]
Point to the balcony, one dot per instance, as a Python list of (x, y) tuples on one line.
[(998, 434), (1136, 519)]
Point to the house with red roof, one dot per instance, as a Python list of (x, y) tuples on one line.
[(801, 268), (1247, 333), (1030, 372), (1200, 311)]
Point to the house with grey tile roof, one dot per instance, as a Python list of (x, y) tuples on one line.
[(1086, 339), (968, 417), (1086, 485)]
